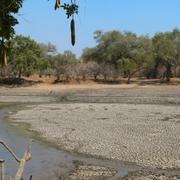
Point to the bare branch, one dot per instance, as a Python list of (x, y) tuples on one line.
[(26, 157), (10, 151), (2, 169)]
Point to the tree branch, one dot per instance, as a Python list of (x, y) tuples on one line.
[(22, 162), (10, 151), (26, 157)]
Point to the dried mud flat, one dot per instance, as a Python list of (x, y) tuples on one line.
[(139, 125)]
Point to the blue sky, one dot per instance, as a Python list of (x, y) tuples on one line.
[(39, 20)]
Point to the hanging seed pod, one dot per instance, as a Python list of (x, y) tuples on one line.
[(57, 4), (1, 56), (73, 36), (4, 58)]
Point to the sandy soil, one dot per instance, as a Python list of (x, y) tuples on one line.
[(48, 92)]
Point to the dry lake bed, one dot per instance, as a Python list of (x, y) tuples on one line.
[(139, 125)]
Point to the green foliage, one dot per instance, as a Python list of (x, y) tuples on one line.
[(7, 19), (166, 50), (89, 54), (26, 55), (123, 51), (129, 53), (164, 47), (70, 9), (7, 23)]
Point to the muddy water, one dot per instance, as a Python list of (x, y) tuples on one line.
[(47, 162)]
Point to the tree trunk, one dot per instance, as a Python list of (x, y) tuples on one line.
[(67, 77), (2, 173), (124, 74), (168, 72), (129, 77), (40, 74), (84, 77), (105, 77), (58, 77), (175, 73), (155, 70), (95, 77), (20, 73)]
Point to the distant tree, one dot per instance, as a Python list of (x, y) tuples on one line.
[(82, 70), (25, 55), (94, 69), (62, 64), (107, 71), (44, 65), (48, 49), (121, 52), (165, 51), (138, 56), (89, 54), (105, 41), (176, 37)]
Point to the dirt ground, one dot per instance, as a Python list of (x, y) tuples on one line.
[(132, 123)]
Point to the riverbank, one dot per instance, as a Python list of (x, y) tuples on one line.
[(134, 124), (145, 134), (48, 161)]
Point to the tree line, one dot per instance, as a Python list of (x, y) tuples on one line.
[(116, 55), (127, 54)]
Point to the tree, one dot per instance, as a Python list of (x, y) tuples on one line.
[(176, 37), (89, 54), (107, 71), (82, 70), (165, 51), (7, 23), (63, 63), (25, 55), (105, 54), (138, 56), (121, 52), (94, 69), (44, 64), (104, 51)]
